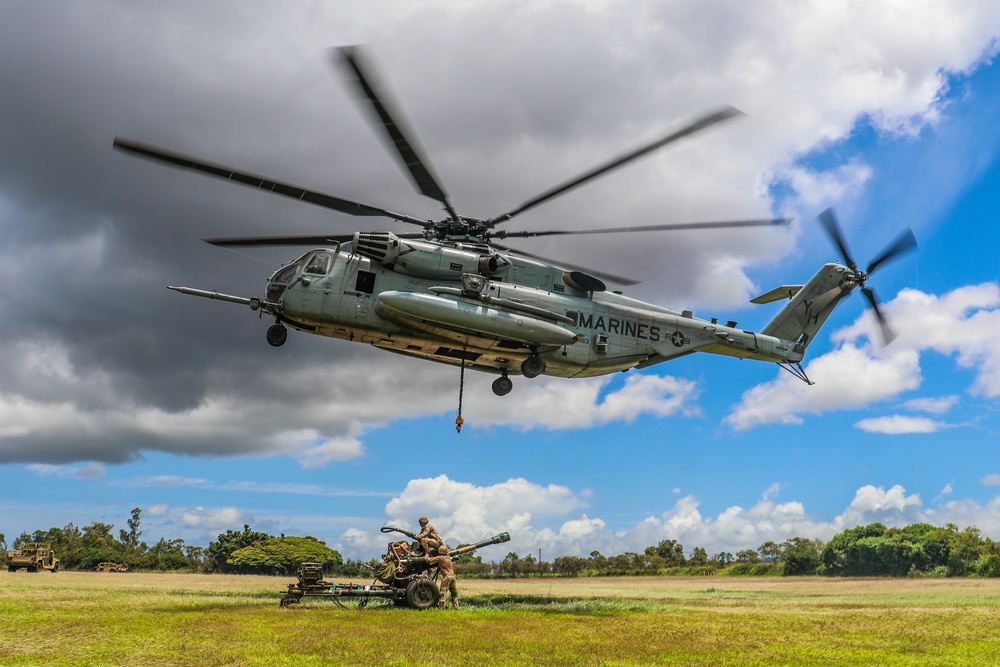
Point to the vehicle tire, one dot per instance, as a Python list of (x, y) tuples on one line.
[(532, 367), (276, 335), (422, 594), (502, 385)]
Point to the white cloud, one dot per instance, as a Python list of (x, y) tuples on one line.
[(935, 406), (334, 449), (900, 424), (557, 404), (214, 518), (959, 324), (993, 479), (848, 377), (467, 512), (550, 520), (80, 472), (158, 510)]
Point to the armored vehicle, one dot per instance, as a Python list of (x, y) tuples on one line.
[(34, 557), (400, 578)]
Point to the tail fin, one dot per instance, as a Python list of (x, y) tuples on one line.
[(809, 306)]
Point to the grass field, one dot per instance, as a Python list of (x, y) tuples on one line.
[(79, 618)]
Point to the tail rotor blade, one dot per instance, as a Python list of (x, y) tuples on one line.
[(887, 333), (903, 244), (829, 222)]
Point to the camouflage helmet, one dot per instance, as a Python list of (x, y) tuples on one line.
[(443, 549), (422, 520)]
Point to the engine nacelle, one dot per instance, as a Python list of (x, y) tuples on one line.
[(425, 260)]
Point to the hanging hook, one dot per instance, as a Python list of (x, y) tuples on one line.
[(461, 390)]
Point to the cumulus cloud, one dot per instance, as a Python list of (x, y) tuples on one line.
[(467, 511), (214, 518), (558, 404), (549, 518), (957, 324), (900, 424), (848, 377)]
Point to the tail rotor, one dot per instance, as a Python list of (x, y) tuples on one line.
[(904, 243)]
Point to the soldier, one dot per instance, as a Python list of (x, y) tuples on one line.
[(429, 537), (448, 581)]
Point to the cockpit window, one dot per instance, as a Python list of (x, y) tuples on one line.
[(318, 265)]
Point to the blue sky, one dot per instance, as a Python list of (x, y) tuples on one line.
[(119, 394)]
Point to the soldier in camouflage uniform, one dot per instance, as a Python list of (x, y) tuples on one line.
[(448, 583), (429, 538)]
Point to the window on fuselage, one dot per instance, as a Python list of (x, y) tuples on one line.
[(365, 282)]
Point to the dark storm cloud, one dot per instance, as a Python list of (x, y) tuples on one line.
[(100, 362)]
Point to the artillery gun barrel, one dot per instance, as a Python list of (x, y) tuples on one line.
[(496, 539), (394, 529)]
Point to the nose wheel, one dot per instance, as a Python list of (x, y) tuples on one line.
[(502, 385), (277, 335)]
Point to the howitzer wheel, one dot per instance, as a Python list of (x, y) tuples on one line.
[(422, 594)]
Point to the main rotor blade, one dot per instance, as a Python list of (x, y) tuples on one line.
[(649, 228), (259, 182), (700, 124), (829, 222), (621, 280), (427, 184), (903, 244), (327, 239)]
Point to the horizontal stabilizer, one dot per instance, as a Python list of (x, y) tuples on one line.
[(778, 293)]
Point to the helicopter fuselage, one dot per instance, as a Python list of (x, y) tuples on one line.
[(452, 313)]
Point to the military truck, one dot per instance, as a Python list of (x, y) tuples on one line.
[(32, 556), (108, 566)]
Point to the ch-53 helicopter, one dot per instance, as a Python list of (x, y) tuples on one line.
[(453, 294)]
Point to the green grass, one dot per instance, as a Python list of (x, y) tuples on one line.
[(137, 619)]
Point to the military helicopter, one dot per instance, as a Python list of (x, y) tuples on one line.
[(452, 293)]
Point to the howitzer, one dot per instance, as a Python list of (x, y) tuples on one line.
[(400, 578)]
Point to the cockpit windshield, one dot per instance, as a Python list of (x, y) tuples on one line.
[(318, 264)]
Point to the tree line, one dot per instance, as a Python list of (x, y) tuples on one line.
[(869, 550)]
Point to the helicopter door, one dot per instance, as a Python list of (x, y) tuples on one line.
[(364, 288)]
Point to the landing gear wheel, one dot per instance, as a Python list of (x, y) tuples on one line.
[(502, 385), (422, 594), (277, 335), (532, 367)]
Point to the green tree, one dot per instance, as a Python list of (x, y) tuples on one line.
[(770, 552), (699, 557), (671, 551), (570, 566), (282, 555), (723, 559), (511, 565), (131, 538), (219, 551), (801, 556)]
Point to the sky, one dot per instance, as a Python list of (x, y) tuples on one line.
[(116, 393)]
